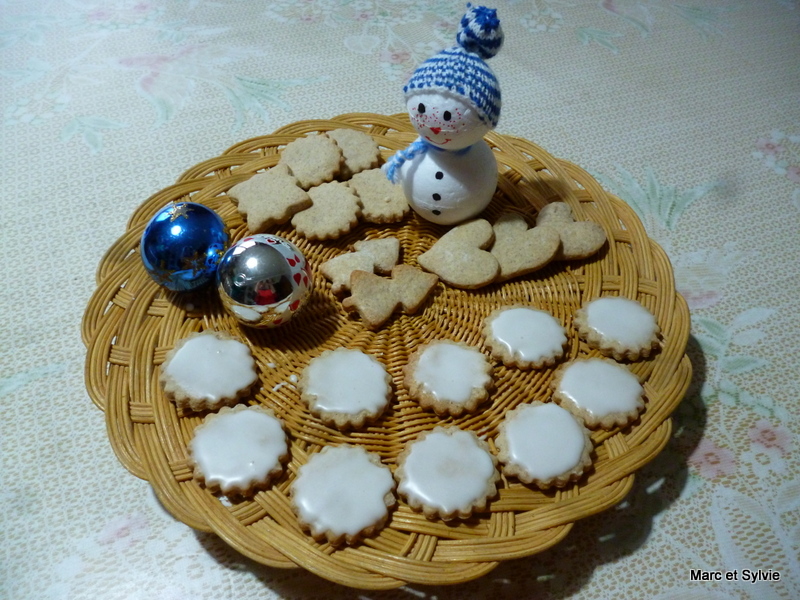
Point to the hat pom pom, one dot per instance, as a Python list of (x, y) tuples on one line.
[(480, 31)]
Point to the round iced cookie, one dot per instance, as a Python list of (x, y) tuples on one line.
[(543, 444), (345, 388), (618, 327), (524, 337), (448, 377), (343, 494), (208, 370), (447, 473), (239, 450), (600, 391)]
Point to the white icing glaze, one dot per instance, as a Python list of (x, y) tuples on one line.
[(447, 470), (211, 368), (450, 372), (545, 440), (237, 448), (341, 490), (347, 381), (528, 334), (621, 320), (601, 387)]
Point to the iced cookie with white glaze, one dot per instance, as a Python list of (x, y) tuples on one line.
[(208, 370), (343, 494), (448, 377), (238, 450), (524, 337), (618, 327), (602, 392), (345, 388), (447, 473), (544, 445)]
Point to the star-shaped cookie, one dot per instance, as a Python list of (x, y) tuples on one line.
[(269, 199)]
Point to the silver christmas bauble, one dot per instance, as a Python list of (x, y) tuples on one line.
[(263, 280)]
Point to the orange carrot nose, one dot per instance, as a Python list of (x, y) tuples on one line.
[(436, 130)]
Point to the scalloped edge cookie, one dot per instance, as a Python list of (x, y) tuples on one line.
[(583, 385), (345, 376), (197, 361), (451, 378), (534, 436), (334, 211), (238, 451), (465, 451), (312, 160), (323, 488), (524, 337), (360, 151), (618, 327)]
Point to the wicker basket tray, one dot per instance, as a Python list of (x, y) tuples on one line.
[(130, 324)]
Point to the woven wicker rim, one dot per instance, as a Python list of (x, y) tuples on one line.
[(130, 324)]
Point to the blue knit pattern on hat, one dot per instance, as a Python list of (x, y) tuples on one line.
[(480, 31), (462, 70)]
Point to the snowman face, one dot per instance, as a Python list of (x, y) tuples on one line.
[(445, 120)]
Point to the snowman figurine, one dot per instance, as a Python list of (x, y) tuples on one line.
[(449, 174)]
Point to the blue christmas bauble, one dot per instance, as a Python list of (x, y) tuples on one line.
[(182, 246)]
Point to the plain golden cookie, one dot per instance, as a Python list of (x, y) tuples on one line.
[(334, 212), (520, 250), (359, 151), (269, 199), (579, 239), (313, 160), (382, 200), (459, 258), (375, 298)]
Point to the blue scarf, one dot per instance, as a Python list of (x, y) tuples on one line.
[(420, 146)]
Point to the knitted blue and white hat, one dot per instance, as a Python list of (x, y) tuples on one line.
[(461, 69)]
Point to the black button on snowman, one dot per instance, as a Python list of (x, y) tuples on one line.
[(449, 174)]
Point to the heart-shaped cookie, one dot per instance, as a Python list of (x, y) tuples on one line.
[(520, 250), (579, 239), (459, 257)]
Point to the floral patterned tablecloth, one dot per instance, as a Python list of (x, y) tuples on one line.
[(689, 111)]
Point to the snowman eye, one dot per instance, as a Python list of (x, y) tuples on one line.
[(421, 108), (447, 116)]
